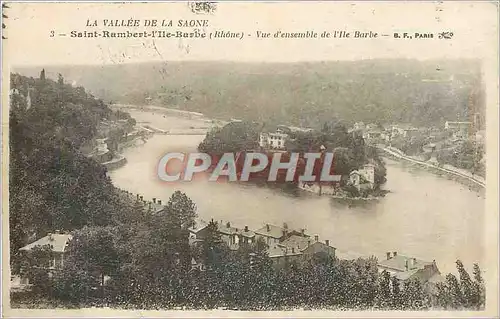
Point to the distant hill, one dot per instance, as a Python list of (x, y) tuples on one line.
[(307, 94)]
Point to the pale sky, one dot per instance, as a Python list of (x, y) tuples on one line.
[(472, 23)]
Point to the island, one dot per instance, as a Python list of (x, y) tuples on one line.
[(359, 166)]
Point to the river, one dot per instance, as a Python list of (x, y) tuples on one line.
[(424, 215)]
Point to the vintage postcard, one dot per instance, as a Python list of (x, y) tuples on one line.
[(250, 159)]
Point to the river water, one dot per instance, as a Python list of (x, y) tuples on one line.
[(424, 215)]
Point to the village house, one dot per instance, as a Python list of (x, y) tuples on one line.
[(197, 232), (299, 249), (156, 206), (396, 130), (372, 134), (246, 236), (229, 235), (405, 268), (270, 233), (460, 130), (359, 126), (57, 242), (363, 178), (234, 236), (410, 132)]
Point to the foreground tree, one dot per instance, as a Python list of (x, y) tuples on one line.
[(462, 293)]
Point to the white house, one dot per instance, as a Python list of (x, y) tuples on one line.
[(57, 243), (275, 140)]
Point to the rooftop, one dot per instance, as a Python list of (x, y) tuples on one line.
[(58, 242), (247, 233), (298, 242), (270, 231), (398, 263), (227, 229), (199, 225)]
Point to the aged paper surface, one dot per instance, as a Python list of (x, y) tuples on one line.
[(203, 159)]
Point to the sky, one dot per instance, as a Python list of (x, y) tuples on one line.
[(29, 26)]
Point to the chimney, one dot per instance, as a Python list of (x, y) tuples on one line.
[(137, 196), (246, 228), (154, 200), (388, 255), (228, 225), (316, 237), (406, 264), (149, 204), (141, 197), (293, 250), (268, 228), (303, 231), (413, 262), (285, 226), (395, 253), (327, 242), (159, 201)]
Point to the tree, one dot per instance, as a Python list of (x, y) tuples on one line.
[(478, 289), (455, 292), (413, 295), (384, 290), (396, 293), (60, 79), (35, 266), (183, 208), (213, 245), (90, 257), (466, 286)]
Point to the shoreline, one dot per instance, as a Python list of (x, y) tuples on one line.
[(469, 181), (369, 198)]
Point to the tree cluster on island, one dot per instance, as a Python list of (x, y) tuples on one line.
[(349, 149), (122, 255)]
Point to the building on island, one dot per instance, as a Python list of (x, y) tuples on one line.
[(57, 242), (273, 140), (363, 178)]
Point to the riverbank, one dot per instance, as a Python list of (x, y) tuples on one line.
[(333, 193), (473, 182)]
